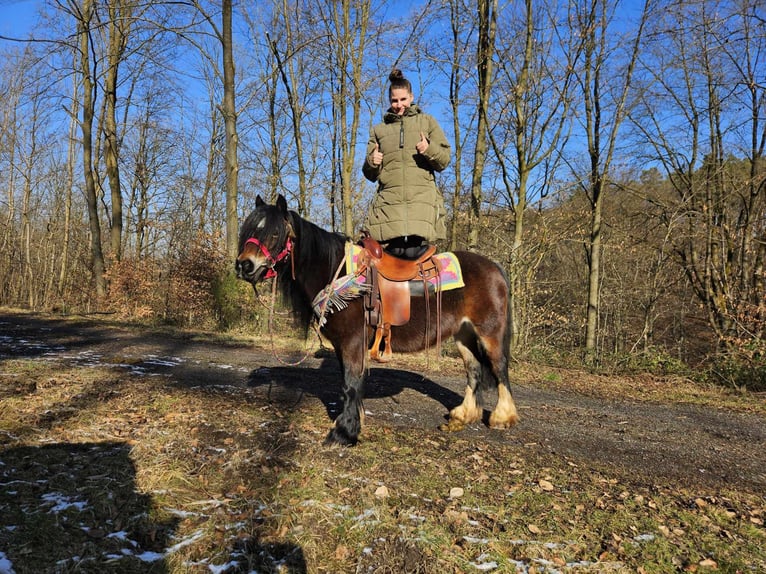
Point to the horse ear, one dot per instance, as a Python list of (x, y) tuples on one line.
[(282, 204), (258, 201)]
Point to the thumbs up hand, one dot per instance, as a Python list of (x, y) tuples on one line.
[(376, 158), (422, 145)]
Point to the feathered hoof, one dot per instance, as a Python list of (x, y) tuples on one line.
[(452, 425), (339, 437), (505, 423)]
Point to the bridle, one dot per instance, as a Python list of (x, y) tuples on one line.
[(270, 259)]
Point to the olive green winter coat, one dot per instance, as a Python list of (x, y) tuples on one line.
[(407, 201)]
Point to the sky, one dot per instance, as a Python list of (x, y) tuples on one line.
[(17, 17)]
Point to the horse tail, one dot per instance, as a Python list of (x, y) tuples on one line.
[(507, 334), (488, 379)]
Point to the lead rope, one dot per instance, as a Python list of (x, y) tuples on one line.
[(270, 323), (315, 323)]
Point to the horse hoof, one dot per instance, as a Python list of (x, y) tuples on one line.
[(503, 424), (452, 425), (340, 438)]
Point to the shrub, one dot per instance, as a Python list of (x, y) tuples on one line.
[(741, 367), (232, 302), (192, 273), (134, 291)]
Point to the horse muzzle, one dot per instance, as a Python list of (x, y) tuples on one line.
[(247, 270)]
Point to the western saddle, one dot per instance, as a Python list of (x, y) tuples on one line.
[(392, 282)]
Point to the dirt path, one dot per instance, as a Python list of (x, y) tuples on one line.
[(643, 442)]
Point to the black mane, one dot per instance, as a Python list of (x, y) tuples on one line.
[(317, 254)]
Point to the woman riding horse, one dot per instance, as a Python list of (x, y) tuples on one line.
[(303, 259)]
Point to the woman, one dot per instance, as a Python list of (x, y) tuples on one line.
[(403, 153)]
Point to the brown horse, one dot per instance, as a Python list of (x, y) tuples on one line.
[(303, 259)]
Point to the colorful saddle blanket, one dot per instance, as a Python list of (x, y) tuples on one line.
[(450, 277), (337, 294)]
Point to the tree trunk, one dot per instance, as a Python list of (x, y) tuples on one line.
[(349, 56), (594, 270), (485, 53), (454, 98), (71, 159), (98, 267), (289, 82), (119, 24), (594, 29), (230, 119)]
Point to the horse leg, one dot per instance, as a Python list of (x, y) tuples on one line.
[(504, 415), (468, 411), (348, 424)]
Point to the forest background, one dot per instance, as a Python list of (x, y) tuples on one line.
[(608, 154)]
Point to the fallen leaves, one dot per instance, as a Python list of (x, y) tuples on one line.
[(546, 485), (456, 492)]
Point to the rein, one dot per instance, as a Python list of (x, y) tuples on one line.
[(272, 274)]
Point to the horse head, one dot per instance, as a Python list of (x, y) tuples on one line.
[(265, 241)]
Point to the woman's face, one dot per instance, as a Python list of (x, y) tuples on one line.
[(401, 99)]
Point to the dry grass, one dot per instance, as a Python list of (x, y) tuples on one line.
[(107, 472)]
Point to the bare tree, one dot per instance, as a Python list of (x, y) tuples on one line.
[(459, 38), (345, 29), (225, 73), (534, 80), (84, 16), (605, 97), (118, 30), (229, 110), (485, 49), (69, 187), (27, 174), (711, 73), (10, 95)]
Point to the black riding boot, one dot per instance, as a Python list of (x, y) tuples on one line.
[(407, 247)]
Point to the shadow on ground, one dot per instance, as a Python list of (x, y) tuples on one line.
[(288, 386), (67, 507)]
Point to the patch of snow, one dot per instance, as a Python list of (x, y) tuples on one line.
[(61, 502), (121, 535), (475, 540), (369, 513), (182, 513), (162, 361), (219, 569), (482, 565), (186, 542), (150, 556)]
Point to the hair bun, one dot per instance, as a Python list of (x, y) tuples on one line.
[(395, 75)]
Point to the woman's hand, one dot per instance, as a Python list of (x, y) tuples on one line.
[(422, 145), (376, 158)]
